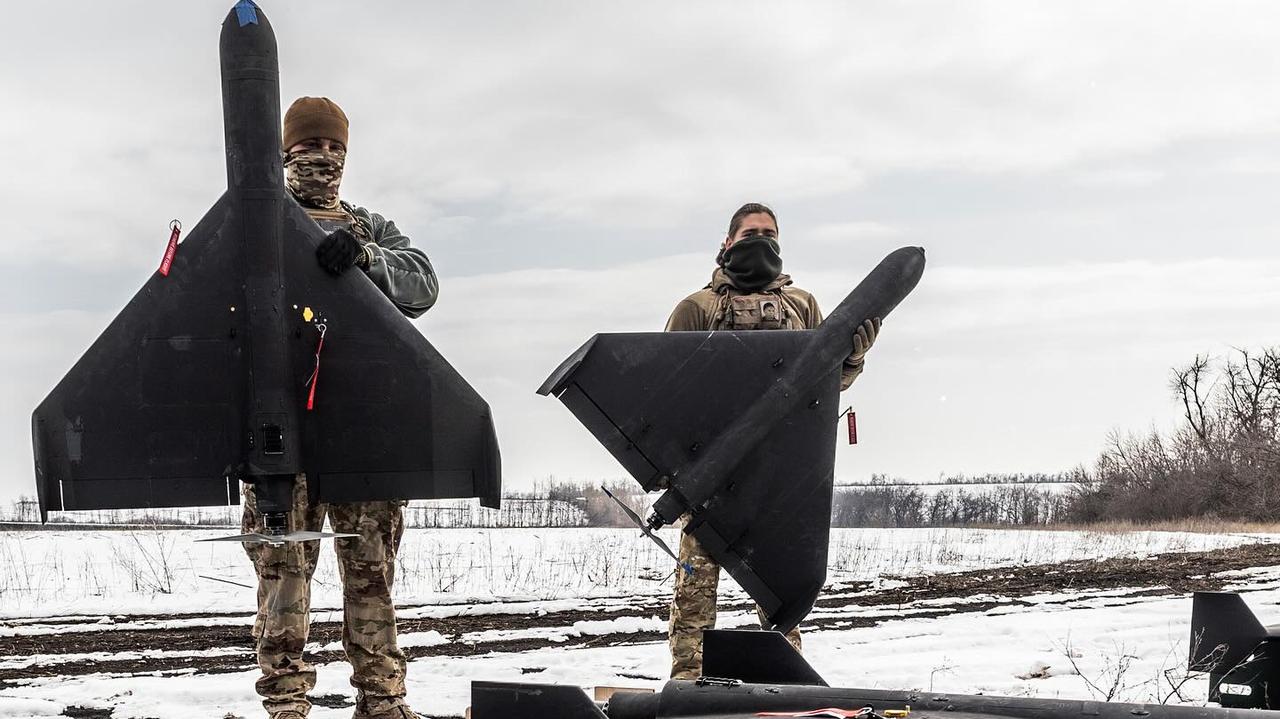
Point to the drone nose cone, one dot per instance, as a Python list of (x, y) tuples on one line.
[(909, 257), (246, 34), (251, 100)]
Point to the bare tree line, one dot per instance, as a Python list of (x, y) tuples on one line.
[(1220, 462), (551, 503), (905, 506), (880, 480)]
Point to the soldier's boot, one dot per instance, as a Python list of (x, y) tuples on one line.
[(382, 710)]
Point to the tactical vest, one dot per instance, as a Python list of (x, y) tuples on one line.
[(756, 311), (330, 220)]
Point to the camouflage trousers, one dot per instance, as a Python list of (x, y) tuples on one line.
[(366, 565), (693, 609)]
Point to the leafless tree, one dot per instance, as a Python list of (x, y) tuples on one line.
[(1223, 461)]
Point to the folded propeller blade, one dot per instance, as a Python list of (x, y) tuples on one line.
[(688, 568)]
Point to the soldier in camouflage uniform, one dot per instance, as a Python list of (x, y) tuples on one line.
[(747, 292), (315, 139)]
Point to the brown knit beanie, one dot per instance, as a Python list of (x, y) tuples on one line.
[(310, 117)]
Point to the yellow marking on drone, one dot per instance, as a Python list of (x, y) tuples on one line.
[(897, 713), (307, 314)]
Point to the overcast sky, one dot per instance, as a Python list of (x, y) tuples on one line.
[(1094, 183)]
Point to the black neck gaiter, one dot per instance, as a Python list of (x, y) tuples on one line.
[(752, 262)]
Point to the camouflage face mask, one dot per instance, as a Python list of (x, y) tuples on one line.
[(313, 176)]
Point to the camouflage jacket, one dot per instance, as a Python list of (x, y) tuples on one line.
[(403, 273), (711, 307)]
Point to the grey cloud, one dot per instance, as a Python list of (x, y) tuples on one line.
[(580, 112), (1093, 182)]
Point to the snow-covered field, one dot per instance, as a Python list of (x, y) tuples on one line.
[(137, 621), (125, 572)]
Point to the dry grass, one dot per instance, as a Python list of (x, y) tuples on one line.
[(1196, 525)]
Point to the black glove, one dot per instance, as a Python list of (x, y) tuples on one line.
[(339, 251)]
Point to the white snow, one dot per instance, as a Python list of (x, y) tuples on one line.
[(124, 573), (1091, 632)]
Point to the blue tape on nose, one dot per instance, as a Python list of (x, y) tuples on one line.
[(246, 12)]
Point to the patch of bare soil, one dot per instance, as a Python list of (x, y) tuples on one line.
[(1160, 575), (1179, 573)]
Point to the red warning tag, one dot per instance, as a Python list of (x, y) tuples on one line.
[(853, 427), (172, 249), (315, 373)]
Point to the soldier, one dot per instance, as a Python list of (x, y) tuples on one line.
[(747, 292), (315, 142)]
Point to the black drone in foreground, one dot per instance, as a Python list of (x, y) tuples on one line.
[(751, 674)]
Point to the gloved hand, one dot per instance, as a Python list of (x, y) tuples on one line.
[(863, 339), (339, 251)]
